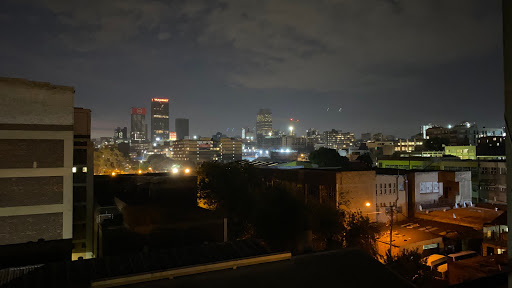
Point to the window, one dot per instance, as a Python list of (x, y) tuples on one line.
[(73, 169), (84, 169), (493, 170), (484, 170)]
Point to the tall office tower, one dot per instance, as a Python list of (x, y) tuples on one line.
[(264, 122), (181, 128), (138, 127), (83, 190), (159, 119), (36, 161)]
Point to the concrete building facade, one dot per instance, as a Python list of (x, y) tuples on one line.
[(197, 151), (36, 160), (83, 190), (230, 150)]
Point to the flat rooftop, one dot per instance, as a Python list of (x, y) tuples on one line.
[(417, 230), (475, 217), (345, 268)]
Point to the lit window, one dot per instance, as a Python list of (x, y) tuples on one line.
[(73, 169), (84, 169)]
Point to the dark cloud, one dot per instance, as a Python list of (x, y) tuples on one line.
[(392, 65)]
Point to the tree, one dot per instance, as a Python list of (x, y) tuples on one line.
[(435, 144), (366, 159), (411, 265), (108, 159), (361, 233), (327, 224), (279, 217), (159, 162), (225, 187), (325, 157)]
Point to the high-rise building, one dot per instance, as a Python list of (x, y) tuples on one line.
[(424, 129), (83, 190), (181, 128), (121, 135), (159, 119), (264, 122), (138, 124), (36, 161), (197, 151), (335, 139), (230, 149)]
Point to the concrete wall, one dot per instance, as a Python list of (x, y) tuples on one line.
[(425, 177), (33, 207), (386, 197), (355, 189), (28, 102), (465, 186)]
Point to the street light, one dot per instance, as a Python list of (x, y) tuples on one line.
[(187, 171), (367, 204), (174, 170)]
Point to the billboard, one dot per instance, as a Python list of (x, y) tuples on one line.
[(172, 136), (138, 111), (159, 100)]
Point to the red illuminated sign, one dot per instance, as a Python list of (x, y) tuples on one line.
[(138, 111), (159, 100), (172, 136)]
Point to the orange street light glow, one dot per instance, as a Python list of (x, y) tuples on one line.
[(367, 204), (140, 171), (187, 170), (113, 173)]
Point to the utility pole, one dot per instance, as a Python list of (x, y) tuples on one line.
[(391, 212)]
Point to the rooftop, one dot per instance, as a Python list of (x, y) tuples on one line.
[(475, 217), (417, 230), (347, 268), (44, 85)]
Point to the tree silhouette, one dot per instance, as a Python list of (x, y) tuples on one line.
[(325, 157)]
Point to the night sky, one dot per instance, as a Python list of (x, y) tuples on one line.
[(389, 65)]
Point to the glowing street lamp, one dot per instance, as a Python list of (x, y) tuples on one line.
[(187, 171), (367, 204), (174, 170)]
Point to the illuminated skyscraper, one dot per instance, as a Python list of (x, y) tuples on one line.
[(159, 119), (264, 122), (138, 127)]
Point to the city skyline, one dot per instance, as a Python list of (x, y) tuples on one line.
[(391, 70)]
